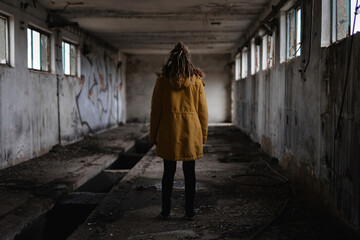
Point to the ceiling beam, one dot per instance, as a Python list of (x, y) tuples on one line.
[(176, 16)]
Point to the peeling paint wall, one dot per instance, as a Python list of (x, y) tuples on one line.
[(141, 77), (294, 116), (339, 163), (33, 117), (28, 105)]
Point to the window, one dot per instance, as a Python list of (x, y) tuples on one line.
[(264, 53), (38, 50), (293, 32), (244, 61), (268, 51), (344, 11), (237, 67), (271, 50), (4, 40), (257, 58), (69, 58), (342, 14), (355, 10), (253, 56)]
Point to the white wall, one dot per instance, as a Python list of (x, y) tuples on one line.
[(28, 102), (32, 117), (141, 77)]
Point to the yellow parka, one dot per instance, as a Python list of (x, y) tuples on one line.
[(179, 118)]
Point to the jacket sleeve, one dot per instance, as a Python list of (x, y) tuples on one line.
[(155, 113), (203, 113)]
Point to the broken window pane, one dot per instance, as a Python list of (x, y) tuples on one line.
[(3, 40), (44, 53), (271, 50), (342, 19), (73, 60), (293, 32), (290, 33)]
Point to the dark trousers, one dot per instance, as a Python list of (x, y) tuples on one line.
[(168, 181)]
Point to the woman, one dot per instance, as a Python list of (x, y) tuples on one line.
[(178, 123)]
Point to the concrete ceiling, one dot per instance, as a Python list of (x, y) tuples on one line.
[(154, 26)]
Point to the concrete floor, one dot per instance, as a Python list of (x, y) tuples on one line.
[(31, 189), (241, 194)]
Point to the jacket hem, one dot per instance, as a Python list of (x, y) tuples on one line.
[(181, 158)]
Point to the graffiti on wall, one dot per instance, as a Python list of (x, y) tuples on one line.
[(98, 100)]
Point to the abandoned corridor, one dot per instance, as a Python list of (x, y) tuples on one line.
[(76, 80), (242, 193)]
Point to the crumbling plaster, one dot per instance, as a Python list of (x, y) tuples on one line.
[(294, 115), (33, 117), (28, 106)]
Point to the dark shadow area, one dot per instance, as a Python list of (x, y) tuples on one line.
[(63, 219)]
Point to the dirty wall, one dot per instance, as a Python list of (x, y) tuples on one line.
[(294, 116), (141, 77), (92, 101), (33, 118), (28, 105)]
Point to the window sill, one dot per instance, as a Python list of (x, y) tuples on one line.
[(39, 71), (292, 59), (72, 76), (6, 65)]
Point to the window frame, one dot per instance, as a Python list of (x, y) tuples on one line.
[(352, 8), (252, 57), (335, 11), (244, 63), (297, 31), (49, 49), (271, 49), (330, 24), (71, 43), (7, 39), (257, 57), (238, 67)]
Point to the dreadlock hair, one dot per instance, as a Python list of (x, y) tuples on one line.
[(178, 64)]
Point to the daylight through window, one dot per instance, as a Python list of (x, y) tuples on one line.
[(69, 58), (4, 40), (257, 58), (237, 67), (355, 10), (38, 50), (244, 61)]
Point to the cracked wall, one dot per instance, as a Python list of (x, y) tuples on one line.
[(294, 116)]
